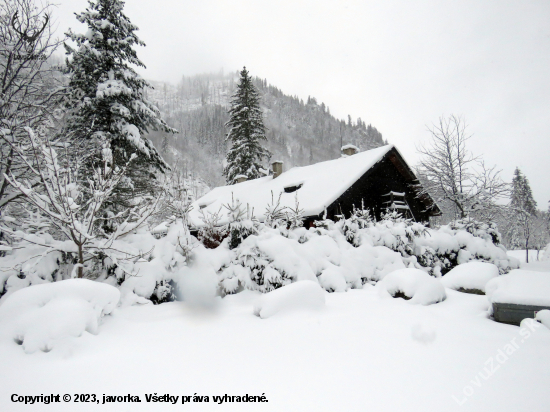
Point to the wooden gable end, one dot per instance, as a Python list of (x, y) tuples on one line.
[(391, 173)]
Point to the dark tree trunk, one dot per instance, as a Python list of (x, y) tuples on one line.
[(80, 262)]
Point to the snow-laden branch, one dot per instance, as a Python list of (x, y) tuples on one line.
[(74, 205)]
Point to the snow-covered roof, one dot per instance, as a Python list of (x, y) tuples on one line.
[(321, 184)]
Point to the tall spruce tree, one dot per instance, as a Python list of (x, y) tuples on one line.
[(521, 199), (246, 133), (523, 212), (113, 108)]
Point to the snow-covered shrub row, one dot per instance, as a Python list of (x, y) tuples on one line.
[(458, 243), (276, 257), (436, 250), (152, 265), (351, 252), (142, 266), (42, 316)]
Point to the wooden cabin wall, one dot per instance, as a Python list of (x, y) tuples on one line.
[(379, 180)]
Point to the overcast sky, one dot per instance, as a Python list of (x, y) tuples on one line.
[(398, 64)]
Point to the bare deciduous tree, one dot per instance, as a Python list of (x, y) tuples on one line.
[(28, 86), (73, 208), (454, 177)]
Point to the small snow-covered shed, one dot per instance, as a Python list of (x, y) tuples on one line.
[(380, 178)]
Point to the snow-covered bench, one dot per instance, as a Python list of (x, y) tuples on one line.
[(518, 295)]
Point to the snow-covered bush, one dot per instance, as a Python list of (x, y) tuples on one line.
[(211, 233), (470, 277), (434, 250), (414, 285), (74, 206), (485, 231), (42, 316), (265, 262), (241, 222), (156, 277), (275, 213), (455, 244), (27, 264), (294, 216), (269, 260), (394, 232), (359, 219)]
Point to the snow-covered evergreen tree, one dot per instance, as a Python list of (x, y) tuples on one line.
[(521, 198), (114, 108), (242, 223), (246, 133), (523, 214)]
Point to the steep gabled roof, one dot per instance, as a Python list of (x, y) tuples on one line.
[(318, 186)]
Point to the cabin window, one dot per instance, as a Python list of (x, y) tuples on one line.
[(290, 189)]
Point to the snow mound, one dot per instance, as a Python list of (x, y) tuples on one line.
[(470, 277), (522, 287), (40, 316), (543, 316), (332, 279), (305, 294), (414, 284)]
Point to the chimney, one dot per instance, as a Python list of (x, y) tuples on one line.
[(241, 178), (349, 150), (277, 167)]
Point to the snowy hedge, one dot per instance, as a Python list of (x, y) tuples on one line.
[(150, 267), (355, 251)]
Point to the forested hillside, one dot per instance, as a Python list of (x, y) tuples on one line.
[(299, 133)]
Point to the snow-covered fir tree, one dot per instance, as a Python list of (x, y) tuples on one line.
[(246, 133), (521, 198), (523, 208), (114, 107)]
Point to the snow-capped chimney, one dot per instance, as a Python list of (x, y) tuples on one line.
[(277, 167), (349, 150), (241, 178)]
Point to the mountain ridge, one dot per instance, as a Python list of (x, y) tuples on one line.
[(299, 133)]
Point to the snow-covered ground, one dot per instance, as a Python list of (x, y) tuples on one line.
[(361, 351), (521, 255), (540, 265)]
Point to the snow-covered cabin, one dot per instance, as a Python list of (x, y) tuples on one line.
[(380, 178)]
